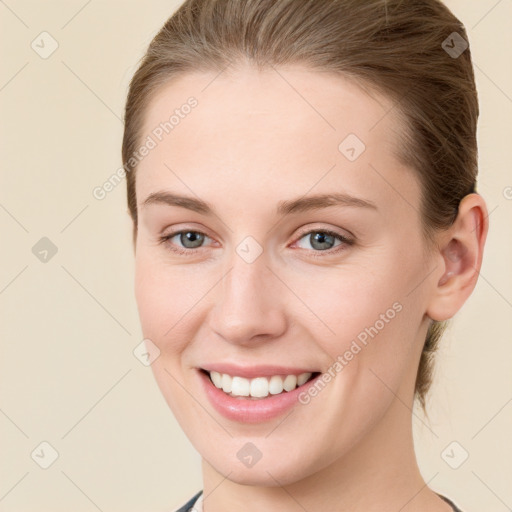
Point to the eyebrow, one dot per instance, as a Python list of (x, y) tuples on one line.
[(288, 207)]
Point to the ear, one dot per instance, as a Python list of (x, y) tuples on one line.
[(460, 258)]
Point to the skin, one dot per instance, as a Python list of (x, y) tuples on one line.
[(252, 142)]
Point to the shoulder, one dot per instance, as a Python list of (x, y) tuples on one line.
[(189, 504), (450, 502)]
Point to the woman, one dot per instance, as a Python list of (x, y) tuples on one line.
[(301, 178)]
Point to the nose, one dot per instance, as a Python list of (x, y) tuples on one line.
[(249, 307)]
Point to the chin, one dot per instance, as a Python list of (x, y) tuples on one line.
[(270, 471), (264, 476)]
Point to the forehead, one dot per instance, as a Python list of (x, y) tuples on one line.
[(260, 130)]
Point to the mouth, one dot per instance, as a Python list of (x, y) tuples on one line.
[(259, 387), (255, 393)]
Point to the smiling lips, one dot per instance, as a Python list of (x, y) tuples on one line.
[(254, 394), (257, 382)]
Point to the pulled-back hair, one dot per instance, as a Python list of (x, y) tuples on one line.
[(395, 47)]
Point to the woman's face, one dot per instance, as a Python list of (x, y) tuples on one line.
[(269, 279)]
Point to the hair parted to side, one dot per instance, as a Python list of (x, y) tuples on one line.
[(391, 46)]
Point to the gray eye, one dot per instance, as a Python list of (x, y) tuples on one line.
[(321, 240), (191, 239)]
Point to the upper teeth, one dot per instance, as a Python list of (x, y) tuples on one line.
[(258, 387)]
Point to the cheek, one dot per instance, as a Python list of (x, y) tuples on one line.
[(163, 300), (340, 303), (164, 295), (363, 316)]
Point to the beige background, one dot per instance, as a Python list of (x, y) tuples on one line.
[(68, 375)]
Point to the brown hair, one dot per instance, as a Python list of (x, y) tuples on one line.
[(392, 46)]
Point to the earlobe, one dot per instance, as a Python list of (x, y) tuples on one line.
[(461, 258)]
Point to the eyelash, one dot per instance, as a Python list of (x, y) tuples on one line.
[(316, 254)]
